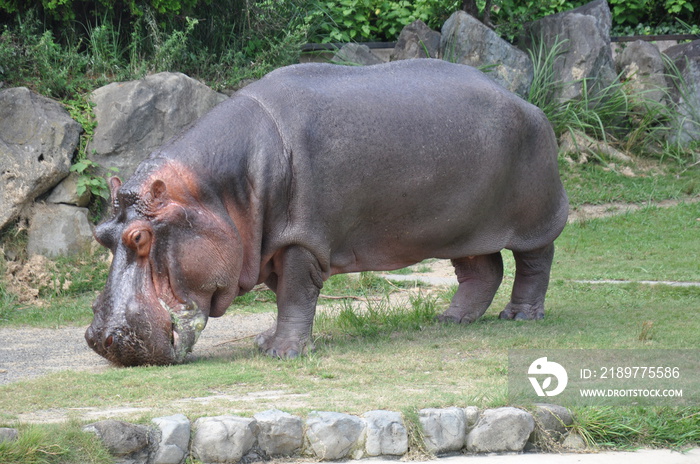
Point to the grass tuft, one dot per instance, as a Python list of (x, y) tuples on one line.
[(377, 317), (49, 444), (621, 116), (627, 428)]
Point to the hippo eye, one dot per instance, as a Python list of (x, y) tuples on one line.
[(139, 238)]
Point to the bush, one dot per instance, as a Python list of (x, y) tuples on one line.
[(228, 41), (375, 20), (70, 10)]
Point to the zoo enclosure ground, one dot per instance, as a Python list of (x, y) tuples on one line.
[(27, 353)]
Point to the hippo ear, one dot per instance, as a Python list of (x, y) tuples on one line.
[(114, 184), (159, 194)]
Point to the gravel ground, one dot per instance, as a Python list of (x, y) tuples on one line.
[(31, 352)]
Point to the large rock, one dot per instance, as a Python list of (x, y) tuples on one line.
[(332, 435), (37, 141), (222, 439), (386, 434), (59, 230), (416, 40), (552, 424), (641, 65), (279, 433), (574, 442), (444, 429), (686, 94), (586, 51), (467, 40), (66, 193), (136, 117), (174, 439), (501, 430), (127, 442), (356, 54), (8, 434)]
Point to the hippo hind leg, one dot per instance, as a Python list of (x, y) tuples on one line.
[(532, 270), (479, 278)]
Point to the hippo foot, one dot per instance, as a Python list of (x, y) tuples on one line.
[(450, 317), (279, 347), (523, 312)]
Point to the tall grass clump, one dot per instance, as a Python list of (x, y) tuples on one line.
[(628, 119), (32, 56), (37, 444), (619, 428), (599, 113), (377, 317), (220, 43), (687, 114)]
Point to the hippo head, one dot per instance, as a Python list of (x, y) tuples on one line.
[(176, 260)]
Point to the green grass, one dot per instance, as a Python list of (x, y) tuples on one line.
[(46, 444), (598, 184), (390, 354), (397, 368), (653, 244), (49, 444), (659, 427)]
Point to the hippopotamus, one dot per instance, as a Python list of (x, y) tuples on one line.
[(321, 169)]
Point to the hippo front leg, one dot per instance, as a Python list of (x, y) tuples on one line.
[(532, 270), (297, 281)]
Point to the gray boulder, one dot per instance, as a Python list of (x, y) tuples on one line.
[(356, 54), (444, 429), (686, 94), (59, 230), (279, 433), (501, 430), (471, 414), (574, 442), (127, 442), (586, 51), (136, 117), (174, 440), (222, 439), (8, 434), (332, 435), (467, 40), (37, 141), (386, 434), (552, 424), (641, 66), (416, 40), (66, 193)]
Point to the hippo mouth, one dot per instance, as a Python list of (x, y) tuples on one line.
[(188, 322)]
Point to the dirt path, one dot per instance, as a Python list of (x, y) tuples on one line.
[(586, 212), (26, 353)]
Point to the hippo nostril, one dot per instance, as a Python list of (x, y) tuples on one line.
[(109, 341)]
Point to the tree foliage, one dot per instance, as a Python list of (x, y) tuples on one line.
[(66, 10)]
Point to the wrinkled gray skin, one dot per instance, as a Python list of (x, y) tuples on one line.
[(320, 169)]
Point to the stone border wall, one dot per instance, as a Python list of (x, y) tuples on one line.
[(329, 436)]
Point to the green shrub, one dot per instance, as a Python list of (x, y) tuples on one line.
[(70, 10), (375, 20)]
